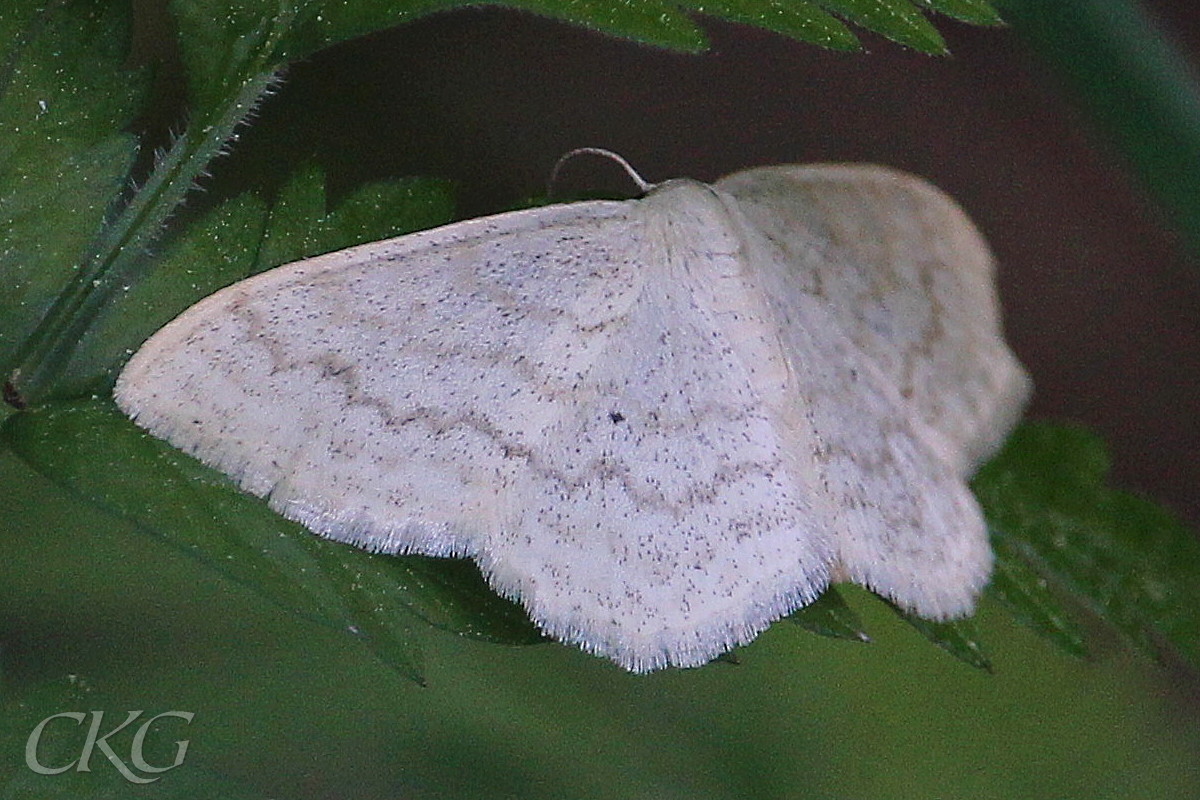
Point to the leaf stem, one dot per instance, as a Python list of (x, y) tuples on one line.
[(117, 255)]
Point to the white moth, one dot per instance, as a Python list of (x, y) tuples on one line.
[(660, 424)]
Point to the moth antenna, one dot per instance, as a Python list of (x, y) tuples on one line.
[(643, 185)]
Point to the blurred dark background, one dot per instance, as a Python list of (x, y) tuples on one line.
[(1100, 294)]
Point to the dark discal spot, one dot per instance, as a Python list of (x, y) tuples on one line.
[(616, 416)]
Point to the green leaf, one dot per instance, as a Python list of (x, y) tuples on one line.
[(115, 259), (301, 224), (804, 21), (95, 451), (830, 616), (898, 20), (227, 47), (655, 22), (216, 27), (959, 637), (232, 52), (1129, 562), (240, 238), (216, 250), (976, 12), (1029, 598), (64, 100)]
